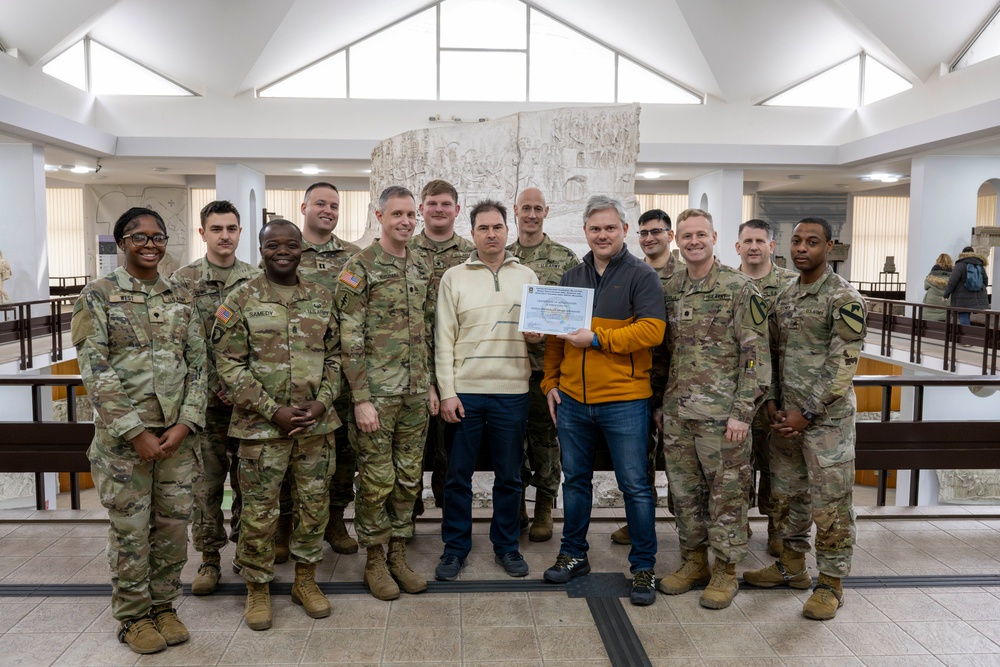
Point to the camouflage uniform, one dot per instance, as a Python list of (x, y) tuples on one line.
[(142, 358), (812, 475), (215, 451), (273, 354), (658, 381), (770, 285), (384, 328), (549, 260), (439, 256), (720, 369)]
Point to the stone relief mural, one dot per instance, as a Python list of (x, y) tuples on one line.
[(570, 154), (969, 487)]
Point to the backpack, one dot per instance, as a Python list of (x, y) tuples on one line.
[(973, 277)]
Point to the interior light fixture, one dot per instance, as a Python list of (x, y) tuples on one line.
[(81, 169), (651, 173), (51, 167), (309, 171)]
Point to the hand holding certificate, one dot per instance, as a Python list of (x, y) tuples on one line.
[(555, 310)]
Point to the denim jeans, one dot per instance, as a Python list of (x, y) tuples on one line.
[(965, 319), (624, 425), (505, 415)]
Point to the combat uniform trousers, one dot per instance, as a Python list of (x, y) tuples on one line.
[(263, 464), (542, 467), (389, 468), (149, 505), (342, 481), (215, 457), (707, 476), (812, 481), (760, 464)]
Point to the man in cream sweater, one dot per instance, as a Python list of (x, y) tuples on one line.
[(482, 374)]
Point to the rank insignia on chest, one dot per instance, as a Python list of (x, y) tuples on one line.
[(687, 314), (322, 266), (224, 314), (350, 279)]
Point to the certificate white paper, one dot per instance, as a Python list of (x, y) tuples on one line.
[(555, 310)]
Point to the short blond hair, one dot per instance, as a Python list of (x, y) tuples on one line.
[(695, 213)]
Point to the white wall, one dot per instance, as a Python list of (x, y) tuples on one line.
[(22, 222)]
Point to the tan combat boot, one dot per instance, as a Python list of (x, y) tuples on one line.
[(541, 525), (258, 610), (306, 593), (141, 635), (694, 572), (209, 573), (621, 536), (774, 543), (789, 570), (377, 577), (336, 533), (408, 580), (827, 598), (722, 588), (168, 625), (281, 537)]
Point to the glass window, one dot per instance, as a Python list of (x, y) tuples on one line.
[(114, 74), (484, 24), (327, 78), (69, 66), (398, 63), (986, 45), (565, 66), (836, 87), (483, 76), (881, 82), (638, 84)]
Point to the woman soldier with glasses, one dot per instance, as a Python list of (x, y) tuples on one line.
[(142, 357)]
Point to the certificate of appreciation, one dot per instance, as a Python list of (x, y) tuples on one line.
[(555, 310)]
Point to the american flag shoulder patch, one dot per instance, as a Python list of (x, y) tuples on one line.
[(350, 279), (224, 314)]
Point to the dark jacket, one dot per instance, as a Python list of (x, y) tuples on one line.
[(961, 297)]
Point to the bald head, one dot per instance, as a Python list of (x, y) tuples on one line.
[(530, 211)]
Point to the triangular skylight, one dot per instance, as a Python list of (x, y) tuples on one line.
[(526, 55), (108, 72), (843, 86), (984, 45)]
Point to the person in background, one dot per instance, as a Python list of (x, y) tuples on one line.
[(967, 284), (935, 284)]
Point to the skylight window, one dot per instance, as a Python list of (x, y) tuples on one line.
[(400, 62), (327, 78), (93, 67), (638, 84), (984, 45), (843, 86)]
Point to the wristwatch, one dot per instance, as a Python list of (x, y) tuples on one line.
[(809, 416)]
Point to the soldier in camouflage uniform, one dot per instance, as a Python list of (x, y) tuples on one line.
[(755, 247), (440, 248), (719, 375), (142, 359), (820, 322), (277, 349), (209, 280), (382, 297), (542, 467), (655, 236)]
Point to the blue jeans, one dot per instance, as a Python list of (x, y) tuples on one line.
[(506, 415), (965, 319), (625, 427)]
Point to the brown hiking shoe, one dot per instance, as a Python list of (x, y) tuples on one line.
[(141, 635), (307, 594), (281, 537), (541, 525), (258, 610), (168, 625), (336, 533), (789, 570), (621, 536), (209, 573), (408, 580), (827, 598), (694, 572), (377, 577), (722, 588)]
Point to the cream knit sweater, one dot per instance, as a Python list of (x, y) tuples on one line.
[(477, 347)]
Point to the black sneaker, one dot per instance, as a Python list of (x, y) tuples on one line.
[(566, 568), (449, 567), (513, 563), (643, 588)]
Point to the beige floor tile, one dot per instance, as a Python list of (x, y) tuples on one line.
[(658, 613), (345, 646), (77, 546), (425, 611), (41, 529), (96, 650), (902, 661), (48, 569), (354, 611), (687, 610), (911, 607), (511, 644), (768, 606), (12, 612), (47, 618), (971, 660), (555, 609), (214, 613), (865, 639), (943, 637), (802, 639), (578, 663), (570, 643), (666, 641), (675, 662), (970, 606), (856, 609), (728, 641), (34, 650), (821, 661), (10, 563), (503, 609), (743, 662), (270, 647), (94, 572), (428, 644), (23, 546), (204, 648)]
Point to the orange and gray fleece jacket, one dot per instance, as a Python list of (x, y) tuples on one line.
[(629, 319)]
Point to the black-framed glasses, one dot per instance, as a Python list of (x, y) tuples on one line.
[(643, 233), (139, 240)]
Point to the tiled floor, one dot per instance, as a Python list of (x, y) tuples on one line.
[(877, 626)]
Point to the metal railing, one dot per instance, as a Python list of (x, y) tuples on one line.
[(67, 285), (23, 328)]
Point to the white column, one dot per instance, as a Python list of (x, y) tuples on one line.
[(721, 194), (245, 188), (23, 232)]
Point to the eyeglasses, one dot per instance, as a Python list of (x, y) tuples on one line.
[(139, 240), (643, 233)]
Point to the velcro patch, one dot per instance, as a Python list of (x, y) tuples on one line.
[(127, 298), (350, 279), (224, 314), (758, 309), (853, 315)]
